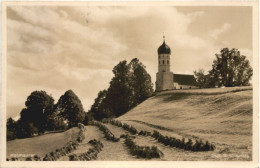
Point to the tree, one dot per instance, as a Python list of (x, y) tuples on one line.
[(130, 86), (119, 92), (39, 105), (230, 69), (11, 129), (141, 83), (202, 80), (100, 108), (71, 108), (55, 122), (25, 129)]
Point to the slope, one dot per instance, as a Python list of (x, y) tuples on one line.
[(222, 116)]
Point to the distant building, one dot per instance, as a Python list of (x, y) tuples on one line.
[(167, 80)]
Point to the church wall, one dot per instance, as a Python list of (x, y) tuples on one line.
[(164, 81), (177, 86)]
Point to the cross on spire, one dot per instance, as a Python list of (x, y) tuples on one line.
[(163, 37)]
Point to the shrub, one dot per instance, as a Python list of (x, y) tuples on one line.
[(28, 158), (142, 151), (91, 154), (125, 126), (108, 134), (167, 141), (174, 142)]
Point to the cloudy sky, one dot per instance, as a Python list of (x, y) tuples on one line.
[(60, 48)]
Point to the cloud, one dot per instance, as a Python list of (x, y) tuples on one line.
[(248, 53), (61, 48), (216, 32)]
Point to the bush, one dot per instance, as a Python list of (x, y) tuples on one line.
[(10, 135), (91, 154), (125, 126), (142, 151), (182, 144), (108, 134), (167, 141)]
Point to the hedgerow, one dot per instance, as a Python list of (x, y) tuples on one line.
[(142, 151), (167, 141), (91, 154), (182, 144), (108, 134), (125, 126)]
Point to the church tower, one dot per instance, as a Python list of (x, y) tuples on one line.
[(164, 76)]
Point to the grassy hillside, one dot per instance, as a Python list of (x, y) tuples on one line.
[(222, 116), (42, 144)]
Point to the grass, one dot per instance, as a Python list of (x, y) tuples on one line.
[(223, 116), (40, 145)]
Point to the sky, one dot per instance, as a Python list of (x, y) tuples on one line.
[(56, 48)]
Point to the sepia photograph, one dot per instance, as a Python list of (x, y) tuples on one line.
[(168, 82)]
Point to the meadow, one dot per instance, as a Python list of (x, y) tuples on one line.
[(221, 116)]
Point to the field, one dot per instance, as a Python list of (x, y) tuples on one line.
[(40, 145), (222, 116)]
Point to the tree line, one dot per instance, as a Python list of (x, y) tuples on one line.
[(41, 115), (130, 86), (229, 69)]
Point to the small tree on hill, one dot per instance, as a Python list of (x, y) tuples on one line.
[(25, 129), (11, 126), (100, 108), (38, 106), (202, 80), (130, 86), (72, 108), (230, 69), (119, 94), (141, 83)]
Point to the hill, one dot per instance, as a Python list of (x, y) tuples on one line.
[(223, 116)]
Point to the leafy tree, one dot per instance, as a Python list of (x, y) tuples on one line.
[(11, 124), (230, 69), (11, 129), (38, 106), (130, 86), (202, 80), (25, 129), (55, 122), (100, 107), (140, 81), (72, 109), (119, 92)]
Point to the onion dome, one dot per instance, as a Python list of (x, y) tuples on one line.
[(164, 48)]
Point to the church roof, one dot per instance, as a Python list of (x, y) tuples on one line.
[(183, 79), (164, 49)]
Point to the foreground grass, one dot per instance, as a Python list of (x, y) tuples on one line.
[(40, 145)]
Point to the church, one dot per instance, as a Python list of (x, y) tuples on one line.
[(167, 80)]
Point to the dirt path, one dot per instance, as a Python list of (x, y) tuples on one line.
[(140, 140), (115, 151)]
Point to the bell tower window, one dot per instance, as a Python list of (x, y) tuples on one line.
[(163, 61)]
